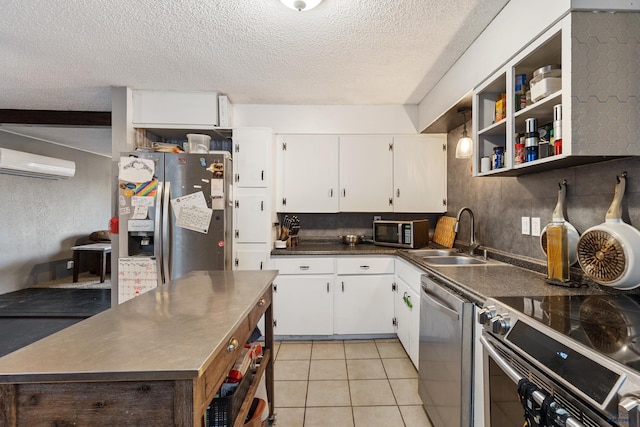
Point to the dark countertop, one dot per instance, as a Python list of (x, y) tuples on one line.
[(475, 282), (331, 247)]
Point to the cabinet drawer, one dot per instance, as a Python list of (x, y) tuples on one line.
[(261, 306), (365, 265), (304, 265), (222, 362)]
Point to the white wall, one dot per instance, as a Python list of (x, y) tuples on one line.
[(41, 219), (328, 119)]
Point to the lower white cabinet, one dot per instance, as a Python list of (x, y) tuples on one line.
[(303, 295), (303, 305), (407, 307), (363, 298)]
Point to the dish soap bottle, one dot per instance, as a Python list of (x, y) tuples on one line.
[(557, 252)]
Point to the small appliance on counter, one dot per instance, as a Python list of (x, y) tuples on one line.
[(409, 234)]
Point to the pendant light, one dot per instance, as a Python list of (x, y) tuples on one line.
[(464, 149), (301, 5)]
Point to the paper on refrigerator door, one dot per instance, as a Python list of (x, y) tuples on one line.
[(135, 277), (194, 218), (192, 213), (133, 169), (217, 194), (193, 199)]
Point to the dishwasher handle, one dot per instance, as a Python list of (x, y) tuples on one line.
[(435, 303), (539, 397)]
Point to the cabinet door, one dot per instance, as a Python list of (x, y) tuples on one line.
[(176, 109), (401, 314), (366, 173), (251, 156), (420, 173), (407, 306), (364, 304), (309, 173), (252, 218), (303, 305), (250, 259)]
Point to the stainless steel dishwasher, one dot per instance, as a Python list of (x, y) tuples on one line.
[(445, 367)]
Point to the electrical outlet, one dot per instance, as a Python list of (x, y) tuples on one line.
[(377, 217), (525, 225), (535, 227), (69, 265)]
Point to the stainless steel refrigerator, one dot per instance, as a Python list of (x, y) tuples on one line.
[(175, 209)]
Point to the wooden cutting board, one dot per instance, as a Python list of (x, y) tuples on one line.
[(444, 234)]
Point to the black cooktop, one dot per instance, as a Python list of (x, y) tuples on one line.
[(607, 324)]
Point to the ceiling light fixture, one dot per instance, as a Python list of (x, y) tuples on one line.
[(464, 149), (301, 5)]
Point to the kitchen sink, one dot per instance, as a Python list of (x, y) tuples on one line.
[(452, 260), (433, 252)]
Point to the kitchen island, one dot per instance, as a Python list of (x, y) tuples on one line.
[(157, 359)]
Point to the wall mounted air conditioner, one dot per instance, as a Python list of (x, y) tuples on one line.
[(26, 164)]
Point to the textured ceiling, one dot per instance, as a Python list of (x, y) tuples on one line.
[(65, 55)]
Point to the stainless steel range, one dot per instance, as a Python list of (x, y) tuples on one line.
[(576, 358)]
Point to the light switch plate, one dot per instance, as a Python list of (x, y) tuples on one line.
[(525, 225), (535, 227)]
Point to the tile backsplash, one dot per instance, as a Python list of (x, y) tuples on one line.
[(499, 202)]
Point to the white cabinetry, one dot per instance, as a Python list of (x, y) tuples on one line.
[(363, 298), (361, 173), (171, 109), (253, 212), (420, 173), (598, 94), (407, 307), (303, 296), (308, 173), (366, 173)]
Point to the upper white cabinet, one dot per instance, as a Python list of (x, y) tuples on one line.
[(420, 173), (253, 211), (156, 108), (598, 93), (307, 173), (366, 164), (251, 156), (361, 173)]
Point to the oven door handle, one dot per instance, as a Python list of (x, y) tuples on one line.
[(516, 377)]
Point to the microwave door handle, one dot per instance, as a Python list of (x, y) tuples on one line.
[(516, 377)]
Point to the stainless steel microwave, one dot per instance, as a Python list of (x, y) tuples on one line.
[(401, 234)]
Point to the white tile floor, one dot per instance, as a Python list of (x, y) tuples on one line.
[(346, 384)]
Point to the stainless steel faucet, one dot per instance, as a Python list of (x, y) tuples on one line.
[(472, 241)]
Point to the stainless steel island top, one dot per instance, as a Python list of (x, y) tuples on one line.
[(171, 332)]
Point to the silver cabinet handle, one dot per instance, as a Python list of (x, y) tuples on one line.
[(398, 192), (327, 287), (364, 267), (304, 267)]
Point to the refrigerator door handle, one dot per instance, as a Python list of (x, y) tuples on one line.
[(166, 196), (157, 228)]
